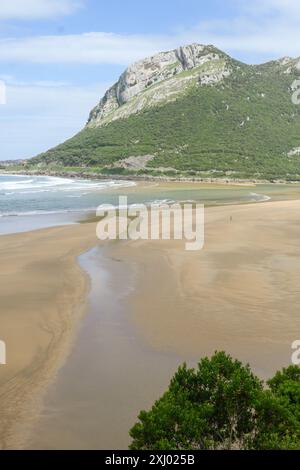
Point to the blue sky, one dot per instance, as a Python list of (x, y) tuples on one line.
[(57, 57)]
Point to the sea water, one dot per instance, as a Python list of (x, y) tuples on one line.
[(32, 202)]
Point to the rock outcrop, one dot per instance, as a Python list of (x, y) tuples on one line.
[(160, 78)]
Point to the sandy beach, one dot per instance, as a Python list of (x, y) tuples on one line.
[(239, 294), (42, 293)]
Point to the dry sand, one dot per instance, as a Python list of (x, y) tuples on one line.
[(240, 293)]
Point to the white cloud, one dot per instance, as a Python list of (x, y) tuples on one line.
[(88, 48), (268, 28), (39, 116), (37, 9), (282, 7)]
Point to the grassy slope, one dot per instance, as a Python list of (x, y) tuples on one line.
[(202, 131)]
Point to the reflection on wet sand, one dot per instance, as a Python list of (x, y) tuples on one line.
[(154, 305)]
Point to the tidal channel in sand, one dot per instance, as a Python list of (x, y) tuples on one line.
[(110, 374)]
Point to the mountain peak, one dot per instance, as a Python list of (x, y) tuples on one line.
[(160, 78)]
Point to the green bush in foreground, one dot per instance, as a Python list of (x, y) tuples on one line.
[(223, 405)]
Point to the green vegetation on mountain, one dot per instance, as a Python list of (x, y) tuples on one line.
[(223, 405), (242, 125)]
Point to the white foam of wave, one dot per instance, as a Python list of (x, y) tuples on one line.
[(260, 197), (32, 183), (169, 202), (47, 184), (44, 212), (137, 205)]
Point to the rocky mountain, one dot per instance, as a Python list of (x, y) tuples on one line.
[(160, 79), (192, 111)]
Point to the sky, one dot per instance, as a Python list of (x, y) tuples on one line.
[(58, 57)]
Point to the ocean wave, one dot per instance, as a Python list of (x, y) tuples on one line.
[(39, 184), (151, 203), (32, 183), (45, 212), (260, 197)]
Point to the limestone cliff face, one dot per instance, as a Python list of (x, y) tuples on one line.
[(160, 78)]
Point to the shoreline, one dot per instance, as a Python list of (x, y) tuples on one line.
[(148, 178)]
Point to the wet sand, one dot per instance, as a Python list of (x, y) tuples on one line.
[(43, 294), (240, 294), (110, 374)]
